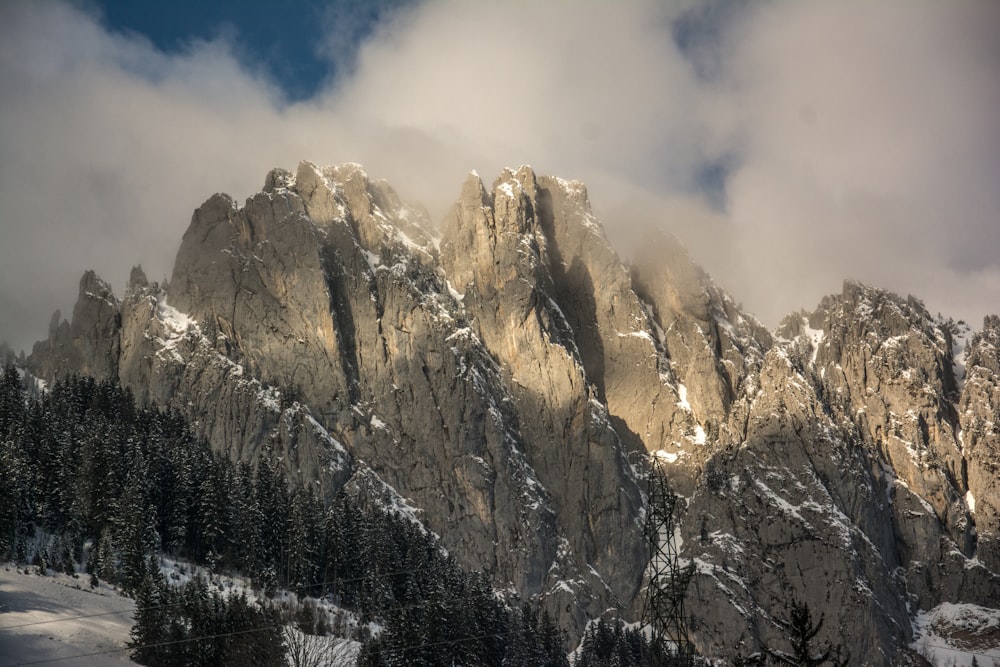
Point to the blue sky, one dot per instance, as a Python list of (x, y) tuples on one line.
[(286, 39), (789, 145)]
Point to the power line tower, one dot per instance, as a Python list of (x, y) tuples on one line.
[(663, 608)]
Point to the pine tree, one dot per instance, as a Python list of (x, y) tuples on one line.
[(98, 480), (16, 477), (249, 524), (62, 555), (213, 503), (67, 515), (801, 633), (201, 614), (373, 653), (15, 483), (303, 540), (552, 641), (342, 527), (523, 648), (607, 644), (105, 562), (12, 401), (375, 545), (271, 495), (151, 621), (257, 637), (135, 523)]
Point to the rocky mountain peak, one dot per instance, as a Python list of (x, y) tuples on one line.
[(137, 279), (504, 381), (716, 349), (89, 342), (665, 273), (984, 347)]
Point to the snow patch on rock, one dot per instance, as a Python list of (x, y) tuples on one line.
[(955, 634)]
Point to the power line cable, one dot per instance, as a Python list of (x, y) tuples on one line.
[(145, 646), (82, 616)]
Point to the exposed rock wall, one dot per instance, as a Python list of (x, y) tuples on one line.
[(90, 342), (979, 437), (502, 382), (496, 246)]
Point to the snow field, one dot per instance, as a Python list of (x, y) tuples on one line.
[(59, 617)]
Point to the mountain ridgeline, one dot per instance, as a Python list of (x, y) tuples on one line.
[(500, 378)]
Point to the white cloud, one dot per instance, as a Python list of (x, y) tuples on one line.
[(869, 148), (864, 138)]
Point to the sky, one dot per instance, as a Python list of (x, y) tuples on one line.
[(789, 145)]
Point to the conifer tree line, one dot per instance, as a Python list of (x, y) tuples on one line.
[(88, 477), (610, 643), (198, 627)]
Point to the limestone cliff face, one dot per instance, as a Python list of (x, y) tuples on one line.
[(847, 480), (979, 439), (889, 369), (495, 245), (792, 508), (89, 343), (715, 351), (318, 325), (505, 380)]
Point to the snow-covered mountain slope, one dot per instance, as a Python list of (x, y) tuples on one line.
[(502, 377)]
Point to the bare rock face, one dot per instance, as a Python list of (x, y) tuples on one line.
[(496, 246), (331, 296), (887, 367), (506, 381), (612, 329), (794, 512), (715, 351), (262, 264), (89, 343), (980, 440), (316, 325), (854, 426)]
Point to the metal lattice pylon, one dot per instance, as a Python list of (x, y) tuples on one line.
[(663, 608)]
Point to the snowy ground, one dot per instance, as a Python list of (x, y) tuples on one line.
[(61, 621), (953, 634)]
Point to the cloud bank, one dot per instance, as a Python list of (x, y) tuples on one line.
[(799, 144)]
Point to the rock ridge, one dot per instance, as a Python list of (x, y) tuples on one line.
[(505, 375)]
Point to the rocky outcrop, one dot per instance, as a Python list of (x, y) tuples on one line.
[(89, 343), (860, 414), (979, 438), (504, 382), (888, 368), (317, 326), (794, 512), (495, 245), (715, 351)]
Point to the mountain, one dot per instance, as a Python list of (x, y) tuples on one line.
[(502, 378)]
